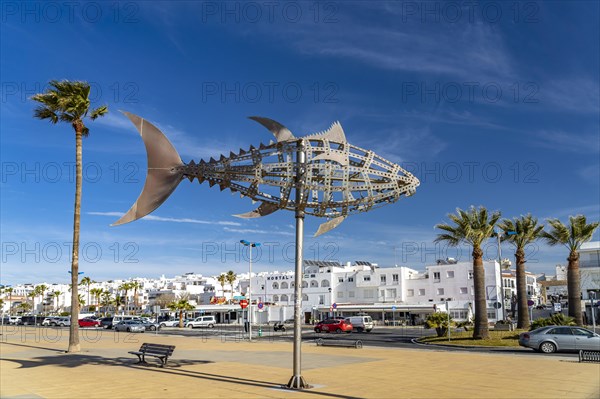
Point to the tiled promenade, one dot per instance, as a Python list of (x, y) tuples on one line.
[(33, 365)]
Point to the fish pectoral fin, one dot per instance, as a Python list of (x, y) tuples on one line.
[(335, 133), (329, 225), (341, 158), (280, 132), (266, 208)]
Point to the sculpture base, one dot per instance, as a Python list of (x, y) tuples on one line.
[(297, 382)]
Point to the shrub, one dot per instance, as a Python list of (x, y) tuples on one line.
[(439, 321), (557, 319)]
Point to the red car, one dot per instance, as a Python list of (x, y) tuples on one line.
[(89, 323), (332, 325)]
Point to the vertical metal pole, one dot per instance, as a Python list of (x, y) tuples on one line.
[(592, 298), (448, 310), (297, 381), (501, 279), (250, 296)]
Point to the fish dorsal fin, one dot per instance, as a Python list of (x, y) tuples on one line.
[(280, 132), (335, 133)]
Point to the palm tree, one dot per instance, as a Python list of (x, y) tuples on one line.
[(67, 101), (106, 301), (525, 231), (181, 305), (231, 277), (41, 290), (32, 296), (24, 306), (472, 227), (222, 279), (96, 292), (9, 291), (56, 294), (135, 285), (87, 281), (572, 236), (80, 300), (126, 287)]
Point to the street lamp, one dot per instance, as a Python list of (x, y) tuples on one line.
[(250, 245)]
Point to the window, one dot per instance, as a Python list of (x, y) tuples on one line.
[(463, 290), (321, 299), (368, 293), (440, 291), (394, 278), (340, 294), (383, 279), (421, 291), (366, 278), (324, 283), (284, 298), (305, 297), (450, 274), (350, 279), (304, 284), (350, 294), (436, 276), (275, 285), (275, 298), (340, 279), (284, 285), (560, 331), (314, 284), (410, 292), (491, 313)]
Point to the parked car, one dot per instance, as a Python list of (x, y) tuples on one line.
[(170, 323), (49, 320), (332, 325), (202, 321), (61, 322), (88, 323), (30, 320), (150, 326), (551, 339), (129, 326), (361, 323), (14, 319), (106, 322)]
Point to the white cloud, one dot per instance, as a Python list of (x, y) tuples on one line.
[(167, 219)]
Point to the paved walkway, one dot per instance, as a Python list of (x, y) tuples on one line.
[(33, 365)]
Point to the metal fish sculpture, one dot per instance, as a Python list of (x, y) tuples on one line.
[(337, 178)]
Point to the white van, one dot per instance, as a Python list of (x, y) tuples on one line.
[(361, 323), (119, 318), (203, 321)]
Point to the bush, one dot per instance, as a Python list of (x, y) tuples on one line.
[(439, 321), (63, 314), (557, 319)]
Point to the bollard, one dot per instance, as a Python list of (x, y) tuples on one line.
[(260, 331)]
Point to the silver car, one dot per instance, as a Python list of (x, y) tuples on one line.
[(130, 326), (551, 339)]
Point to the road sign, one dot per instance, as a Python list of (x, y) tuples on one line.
[(557, 307), (393, 308), (244, 303), (530, 302), (261, 305), (334, 306), (497, 305)]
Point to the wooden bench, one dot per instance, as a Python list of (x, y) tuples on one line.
[(589, 356), (161, 352), (346, 343)]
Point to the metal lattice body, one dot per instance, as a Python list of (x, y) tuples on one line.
[(337, 179)]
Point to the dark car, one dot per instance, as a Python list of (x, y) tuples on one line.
[(332, 325), (30, 320), (106, 322)]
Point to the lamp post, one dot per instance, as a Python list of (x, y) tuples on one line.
[(250, 245)]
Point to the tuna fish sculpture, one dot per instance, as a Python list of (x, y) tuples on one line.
[(335, 179)]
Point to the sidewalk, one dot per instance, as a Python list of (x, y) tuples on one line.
[(33, 364)]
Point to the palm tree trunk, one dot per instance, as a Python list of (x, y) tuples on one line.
[(522, 307), (574, 288), (481, 328), (74, 327)]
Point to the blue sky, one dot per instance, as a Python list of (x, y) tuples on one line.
[(495, 104)]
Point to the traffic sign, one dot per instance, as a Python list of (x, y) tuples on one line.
[(497, 305), (244, 303), (393, 308), (557, 307), (334, 306), (261, 305), (530, 302)]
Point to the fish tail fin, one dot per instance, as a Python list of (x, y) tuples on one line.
[(163, 174)]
